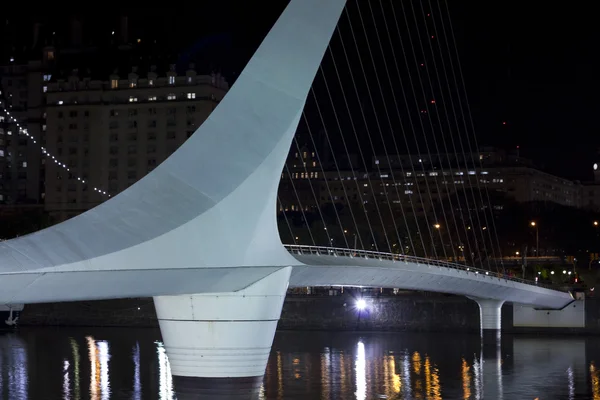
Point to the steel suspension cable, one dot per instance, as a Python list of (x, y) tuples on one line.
[(468, 107), (384, 187), (358, 190), (335, 113), (428, 114), (312, 189), (414, 93), (312, 238), (395, 143), (412, 125), (324, 176), (454, 112), (287, 220), (443, 136), (397, 108)]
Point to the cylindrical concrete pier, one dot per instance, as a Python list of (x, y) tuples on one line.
[(222, 339)]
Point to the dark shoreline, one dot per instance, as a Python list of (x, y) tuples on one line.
[(413, 312)]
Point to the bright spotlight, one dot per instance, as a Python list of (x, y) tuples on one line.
[(361, 304)]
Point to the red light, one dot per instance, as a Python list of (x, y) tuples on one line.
[(517, 147), (428, 15), (432, 101), (422, 64), (432, 36), (504, 123)]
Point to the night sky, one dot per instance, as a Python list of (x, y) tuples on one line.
[(529, 64)]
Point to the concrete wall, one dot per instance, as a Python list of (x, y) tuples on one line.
[(408, 312), (398, 313), (572, 316)]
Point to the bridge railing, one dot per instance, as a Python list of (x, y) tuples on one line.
[(368, 254)]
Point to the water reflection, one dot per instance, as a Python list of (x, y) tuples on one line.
[(106, 364), (14, 379)]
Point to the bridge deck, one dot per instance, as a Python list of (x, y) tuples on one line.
[(345, 267)]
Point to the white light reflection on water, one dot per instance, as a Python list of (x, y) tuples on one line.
[(361, 372), (137, 383), (104, 355), (17, 381), (165, 379), (66, 381), (406, 376), (571, 378), (478, 378)]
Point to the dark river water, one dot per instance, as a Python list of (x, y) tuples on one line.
[(131, 364)]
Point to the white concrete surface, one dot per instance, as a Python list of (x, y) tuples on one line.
[(224, 335), (572, 316)]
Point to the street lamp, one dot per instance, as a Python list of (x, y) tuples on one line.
[(537, 238), (437, 226), (595, 223)]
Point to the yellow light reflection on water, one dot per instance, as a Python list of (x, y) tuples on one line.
[(326, 374), (466, 379), (94, 369), (595, 375), (279, 377), (343, 373), (416, 360), (396, 381)]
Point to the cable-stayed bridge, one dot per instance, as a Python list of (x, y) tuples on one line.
[(200, 235)]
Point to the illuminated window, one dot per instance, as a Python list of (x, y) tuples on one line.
[(152, 98), (44, 89), (191, 95), (171, 80), (171, 96), (151, 82), (132, 99), (304, 154), (50, 55), (132, 84), (47, 78), (114, 83)]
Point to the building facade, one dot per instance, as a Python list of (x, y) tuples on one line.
[(113, 132), (21, 166)]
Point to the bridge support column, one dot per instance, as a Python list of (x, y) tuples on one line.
[(219, 343), (490, 320)]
